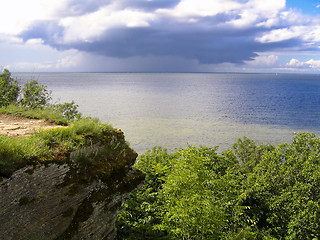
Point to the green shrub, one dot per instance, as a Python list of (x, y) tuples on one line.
[(35, 95), (9, 89), (68, 110)]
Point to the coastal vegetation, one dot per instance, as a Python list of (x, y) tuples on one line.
[(252, 191), (33, 100)]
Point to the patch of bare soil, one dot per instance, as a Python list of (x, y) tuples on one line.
[(19, 126)]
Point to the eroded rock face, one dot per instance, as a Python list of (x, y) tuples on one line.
[(72, 190), (41, 202)]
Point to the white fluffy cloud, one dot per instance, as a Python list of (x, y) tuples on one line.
[(17, 15), (15, 20), (295, 64), (293, 25), (309, 34), (260, 12), (91, 26), (264, 61), (314, 64), (278, 35), (201, 8)]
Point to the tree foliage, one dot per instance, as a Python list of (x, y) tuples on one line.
[(9, 89), (248, 192), (145, 211), (68, 110), (35, 95)]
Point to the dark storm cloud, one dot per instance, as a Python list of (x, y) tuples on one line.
[(206, 47), (214, 46), (208, 40)]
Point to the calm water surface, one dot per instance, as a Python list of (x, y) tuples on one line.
[(176, 110)]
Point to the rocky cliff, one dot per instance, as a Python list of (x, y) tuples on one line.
[(77, 194)]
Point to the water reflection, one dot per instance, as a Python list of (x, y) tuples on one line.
[(175, 110)]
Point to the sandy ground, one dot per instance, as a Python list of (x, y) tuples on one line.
[(19, 126)]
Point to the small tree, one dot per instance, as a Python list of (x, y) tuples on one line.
[(68, 110), (9, 89), (35, 95)]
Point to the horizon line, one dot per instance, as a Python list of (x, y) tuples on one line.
[(155, 72)]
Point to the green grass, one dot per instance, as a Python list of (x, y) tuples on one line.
[(45, 113), (56, 145)]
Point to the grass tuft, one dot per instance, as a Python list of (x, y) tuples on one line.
[(45, 113)]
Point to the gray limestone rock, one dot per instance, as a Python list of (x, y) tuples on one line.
[(41, 202)]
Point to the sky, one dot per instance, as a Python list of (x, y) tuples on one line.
[(160, 36)]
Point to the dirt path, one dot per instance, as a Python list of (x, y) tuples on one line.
[(19, 126)]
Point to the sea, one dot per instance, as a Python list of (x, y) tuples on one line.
[(177, 110)]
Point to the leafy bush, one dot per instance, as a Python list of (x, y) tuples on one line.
[(35, 95), (68, 110), (145, 207), (9, 89)]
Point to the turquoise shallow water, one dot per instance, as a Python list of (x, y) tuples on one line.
[(176, 110)]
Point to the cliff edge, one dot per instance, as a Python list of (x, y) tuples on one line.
[(65, 183)]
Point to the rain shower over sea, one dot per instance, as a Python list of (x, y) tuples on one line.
[(175, 110)]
